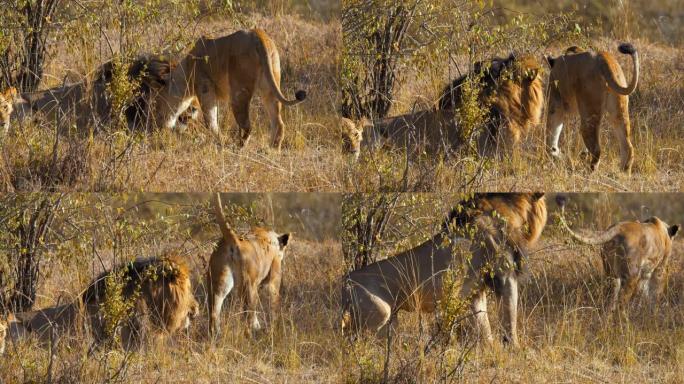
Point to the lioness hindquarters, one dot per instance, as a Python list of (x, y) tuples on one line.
[(591, 83)]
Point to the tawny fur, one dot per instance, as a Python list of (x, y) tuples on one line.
[(229, 68), (635, 256), (413, 280), (244, 263), (8, 98), (431, 131), (512, 95), (511, 89), (592, 84)]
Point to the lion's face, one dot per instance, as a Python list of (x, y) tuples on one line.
[(7, 100), (190, 114), (527, 69), (352, 136), (669, 231)]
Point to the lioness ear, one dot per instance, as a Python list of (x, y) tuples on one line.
[(672, 231), (283, 240)]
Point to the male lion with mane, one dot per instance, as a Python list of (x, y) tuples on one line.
[(591, 83), (231, 68), (487, 236), (510, 88), (246, 263), (634, 254), (156, 288), (91, 101)]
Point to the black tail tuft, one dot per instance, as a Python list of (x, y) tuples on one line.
[(300, 95), (627, 49)]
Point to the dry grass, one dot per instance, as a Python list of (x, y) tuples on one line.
[(566, 336)]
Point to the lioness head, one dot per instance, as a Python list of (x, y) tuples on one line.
[(7, 100), (670, 230), (190, 114), (352, 135)]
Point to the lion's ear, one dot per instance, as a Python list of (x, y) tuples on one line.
[(283, 240), (537, 195), (672, 231)]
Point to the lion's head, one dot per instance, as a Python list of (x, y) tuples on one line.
[(158, 288), (7, 100)]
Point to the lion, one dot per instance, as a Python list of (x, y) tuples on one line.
[(229, 67), (488, 236), (90, 101), (635, 254), (156, 288), (432, 131), (511, 89), (591, 83), (8, 99), (246, 263)]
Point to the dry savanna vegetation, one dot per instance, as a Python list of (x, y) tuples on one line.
[(566, 334), (351, 63), (420, 46), (92, 231), (44, 154)]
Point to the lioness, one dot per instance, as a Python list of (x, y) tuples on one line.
[(511, 89), (634, 254), (591, 83), (229, 67), (429, 130), (487, 235), (7, 100), (246, 263)]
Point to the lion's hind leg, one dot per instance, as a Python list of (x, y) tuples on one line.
[(219, 288), (590, 124), (273, 108), (618, 110)]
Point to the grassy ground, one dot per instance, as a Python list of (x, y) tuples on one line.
[(312, 159), (566, 336)]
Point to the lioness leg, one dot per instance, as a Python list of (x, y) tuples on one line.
[(628, 290), (273, 285), (510, 311), (554, 127), (250, 305), (218, 288), (615, 294), (618, 108), (240, 98), (590, 135), (209, 104), (273, 108)]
